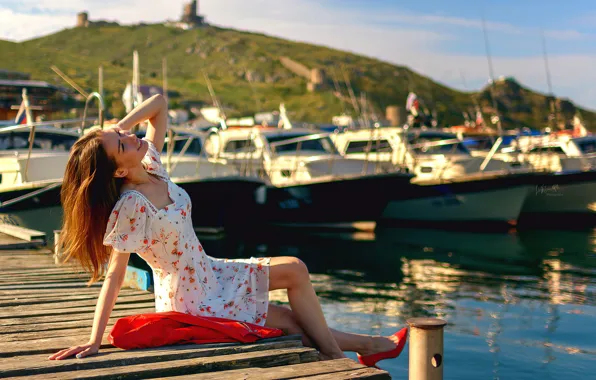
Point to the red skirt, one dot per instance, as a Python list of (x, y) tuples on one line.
[(172, 328)]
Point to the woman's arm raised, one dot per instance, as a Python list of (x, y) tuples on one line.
[(154, 109), (105, 303)]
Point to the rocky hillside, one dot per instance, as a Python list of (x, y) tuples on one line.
[(232, 57)]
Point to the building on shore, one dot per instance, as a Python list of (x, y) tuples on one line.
[(12, 75), (43, 97)]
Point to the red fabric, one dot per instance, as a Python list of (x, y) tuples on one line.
[(170, 328)]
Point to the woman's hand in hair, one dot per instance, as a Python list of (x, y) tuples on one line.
[(78, 351), (154, 110)]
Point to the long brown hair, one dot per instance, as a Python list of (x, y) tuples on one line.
[(89, 192)]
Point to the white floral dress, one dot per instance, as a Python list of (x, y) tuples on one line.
[(186, 279)]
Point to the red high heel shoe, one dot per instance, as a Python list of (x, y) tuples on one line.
[(371, 360)]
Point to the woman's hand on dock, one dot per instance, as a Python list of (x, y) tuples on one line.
[(80, 351)]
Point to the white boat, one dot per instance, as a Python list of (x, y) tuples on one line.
[(453, 186), (311, 184), (30, 180), (569, 191)]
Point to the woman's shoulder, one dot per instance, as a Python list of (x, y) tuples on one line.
[(133, 201)]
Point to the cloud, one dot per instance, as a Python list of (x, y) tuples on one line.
[(19, 26)]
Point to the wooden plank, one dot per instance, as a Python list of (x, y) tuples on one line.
[(34, 299), (362, 373), (37, 250), (71, 304), (69, 285), (6, 255), (114, 357), (56, 324), (21, 232), (41, 276), (45, 346), (74, 317), (47, 292), (277, 373), (27, 295), (42, 281), (23, 244), (41, 270), (28, 269), (13, 263), (30, 337), (68, 311), (41, 327), (268, 358), (53, 344)]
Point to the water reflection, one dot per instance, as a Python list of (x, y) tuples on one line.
[(515, 302)]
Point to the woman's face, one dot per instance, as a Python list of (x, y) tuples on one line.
[(124, 147)]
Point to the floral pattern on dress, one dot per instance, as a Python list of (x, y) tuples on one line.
[(186, 279)]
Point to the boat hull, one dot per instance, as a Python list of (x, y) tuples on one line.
[(567, 198), (346, 203), (225, 202), (490, 207), (483, 201), (217, 202)]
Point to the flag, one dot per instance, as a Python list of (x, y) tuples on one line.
[(479, 119), (578, 127), (21, 117)]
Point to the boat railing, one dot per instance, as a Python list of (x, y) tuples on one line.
[(102, 109), (491, 153), (48, 123)]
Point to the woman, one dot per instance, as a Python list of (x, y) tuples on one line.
[(115, 182)]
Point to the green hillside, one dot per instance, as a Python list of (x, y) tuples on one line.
[(226, 55)]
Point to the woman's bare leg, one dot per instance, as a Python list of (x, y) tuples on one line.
[(291, 273), (283, 318)]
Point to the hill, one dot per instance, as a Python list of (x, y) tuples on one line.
[(228, 55)]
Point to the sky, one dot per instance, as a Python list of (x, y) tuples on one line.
[(442, 39)]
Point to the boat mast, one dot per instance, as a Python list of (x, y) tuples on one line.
[(492, 76), (164, 77), (352, 96), (553, 117), (222, 115)]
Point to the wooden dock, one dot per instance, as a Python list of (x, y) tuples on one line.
[(45, 308)]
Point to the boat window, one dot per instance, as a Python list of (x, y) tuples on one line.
[(480, 142), (43, 140), (587, 147), (322, 145), (240, 146), (449, 148), (374, 146), (547, 149), (180, 141)]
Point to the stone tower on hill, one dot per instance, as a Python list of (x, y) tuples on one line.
[(190, 14)]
